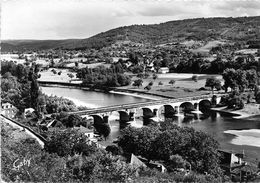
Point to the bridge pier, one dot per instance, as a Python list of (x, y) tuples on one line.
[(132, 115), (126, 116), (177, 110)]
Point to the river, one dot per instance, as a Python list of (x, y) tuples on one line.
[(233, 134)]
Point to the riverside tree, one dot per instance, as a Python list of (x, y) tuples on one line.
[(194, 78), (160, 143), (155, 76), (172, 81), (213, 83), (138, 83), (241, 79)]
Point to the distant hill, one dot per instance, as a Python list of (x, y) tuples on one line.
[(241, 28)]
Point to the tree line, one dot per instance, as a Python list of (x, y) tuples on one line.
[(104, 77), (196, 148), (20, 87)]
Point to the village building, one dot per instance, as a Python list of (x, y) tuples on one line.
[(163, 70), (234, 166), (28, 112), (91, 136), (230, 160), (135, 161), (139, 161), (8, 110)]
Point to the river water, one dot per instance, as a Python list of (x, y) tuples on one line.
[(237, 135)]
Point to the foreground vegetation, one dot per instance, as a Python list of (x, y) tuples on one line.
[(68, 156)]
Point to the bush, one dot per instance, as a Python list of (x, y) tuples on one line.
[(202, 89), (194, 78), (160, 83)]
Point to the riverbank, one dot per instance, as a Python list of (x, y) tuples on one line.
[(248, 111), (245, 137), (138, 94)]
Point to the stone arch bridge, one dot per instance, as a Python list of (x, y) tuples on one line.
[(168, 107)]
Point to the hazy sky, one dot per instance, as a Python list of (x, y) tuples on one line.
[(62, 19)]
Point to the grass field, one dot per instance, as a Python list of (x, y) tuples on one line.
[(49, 76), (184, 85)]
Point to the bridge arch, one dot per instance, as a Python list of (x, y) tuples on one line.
[(169, 111), (204, 105), (186, 106), (98, 119), (123, 116), (147, 112)]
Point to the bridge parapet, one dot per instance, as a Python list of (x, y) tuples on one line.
[(142, 104)]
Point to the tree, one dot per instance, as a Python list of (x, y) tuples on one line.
[(194, 78), (177, 161), (213, 83), (34, 90), (146, 75), (229, 77), (251, 77), (155, 76), (140, 75), (238, 78), (150, 83), (138, 82), (52, 63), (241, 78), (112, 169), (160, 143), (257, 98), (65, 143), (168, 142), (114, 149), (104, 129), (137, 69), (160, 83), (148, 87), (172, 81), (133, 58), (73, 120), (70, 75), (138, 141), (235, 102)]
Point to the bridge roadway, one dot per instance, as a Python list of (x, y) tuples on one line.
[(141, 104)]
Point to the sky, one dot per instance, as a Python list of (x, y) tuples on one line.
[(64, 19)]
